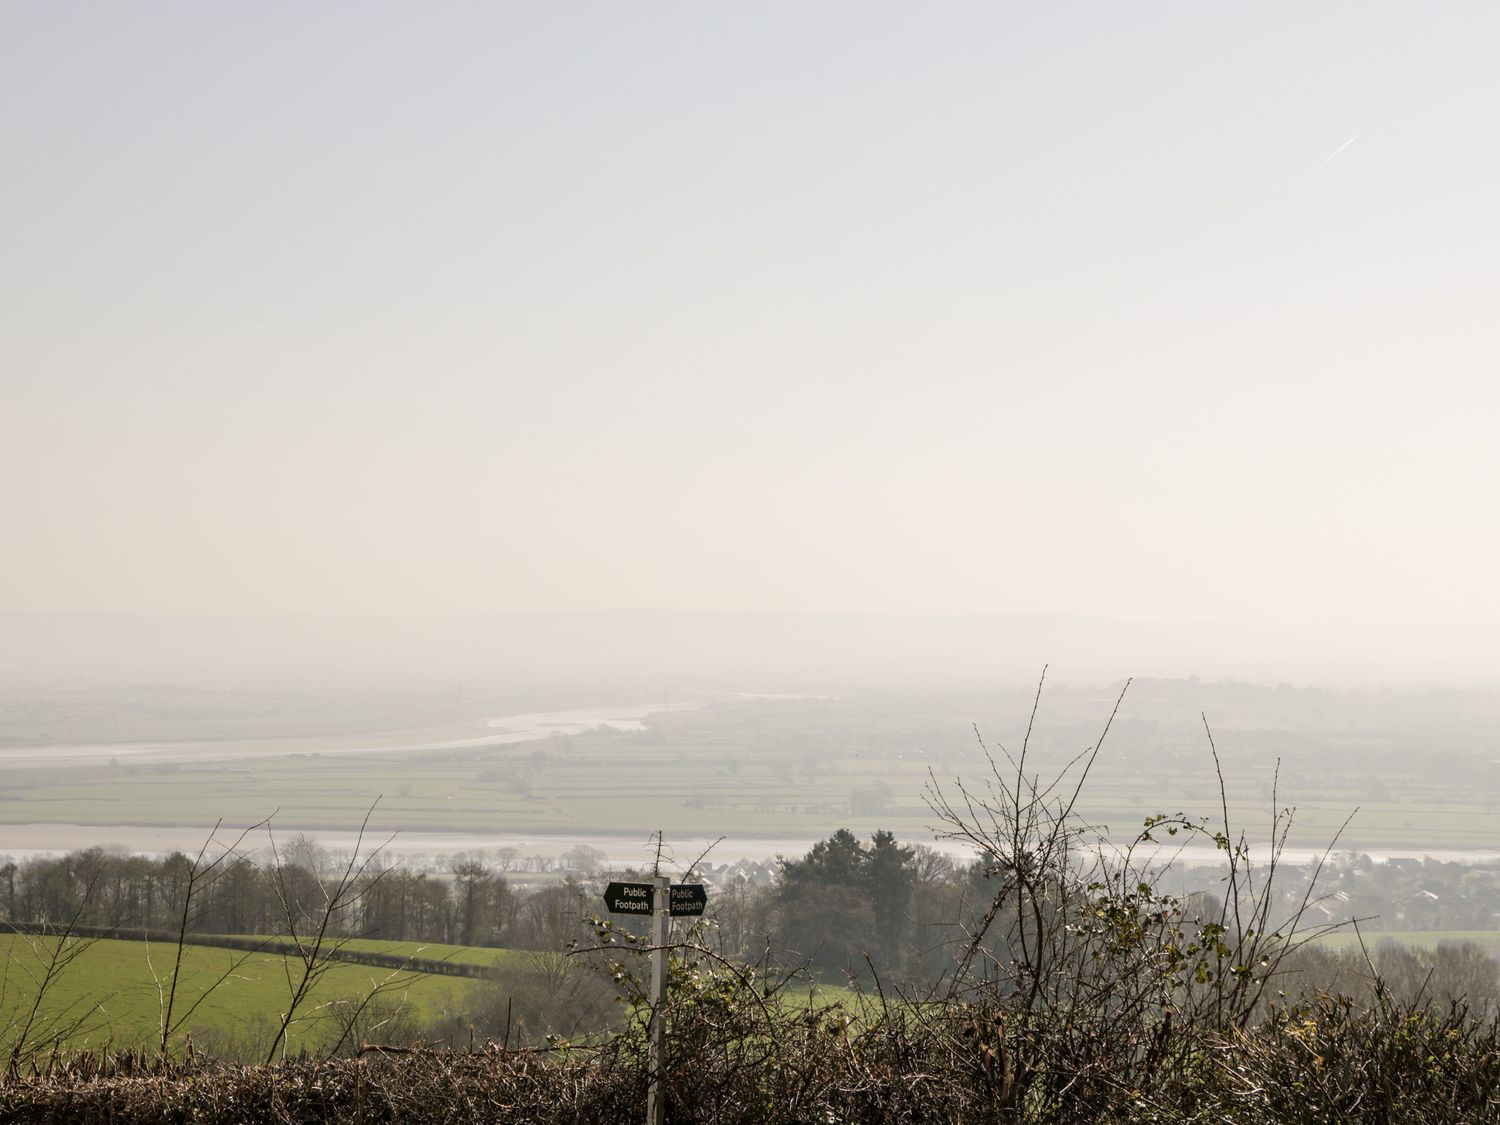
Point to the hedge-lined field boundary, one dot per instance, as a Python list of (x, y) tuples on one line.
[(331, 951)]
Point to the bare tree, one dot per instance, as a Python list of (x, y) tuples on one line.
[(316, 935), (35, 1029), (199, 876)]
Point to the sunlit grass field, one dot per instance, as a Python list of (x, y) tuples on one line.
[(433, 951), (114, 993)]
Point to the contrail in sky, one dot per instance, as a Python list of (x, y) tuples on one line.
[(1341, 148)]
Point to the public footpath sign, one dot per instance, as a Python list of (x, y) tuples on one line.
[(630, 898), (663, 901), (688, 899)]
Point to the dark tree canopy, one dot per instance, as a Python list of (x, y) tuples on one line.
[(846, 900)]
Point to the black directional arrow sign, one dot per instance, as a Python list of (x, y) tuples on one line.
[(629, 898), (688, 898)]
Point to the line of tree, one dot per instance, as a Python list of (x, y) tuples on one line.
[(470, 904), (844, 906), (848, 906)]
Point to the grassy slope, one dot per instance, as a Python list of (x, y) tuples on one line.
[(110, 992), (112, 989), (432, 951)]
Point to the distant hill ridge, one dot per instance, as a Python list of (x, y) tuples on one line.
[(727, 649)]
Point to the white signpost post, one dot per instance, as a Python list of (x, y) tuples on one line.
[(656, 1051)]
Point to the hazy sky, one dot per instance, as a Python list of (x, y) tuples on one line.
[(1172, 311)]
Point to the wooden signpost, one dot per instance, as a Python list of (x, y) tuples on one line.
[(663, 901)]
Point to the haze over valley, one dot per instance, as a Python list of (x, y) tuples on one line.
[(777, 559)]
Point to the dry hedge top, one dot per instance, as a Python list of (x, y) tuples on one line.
[(1330, 1062), (417, 1087)]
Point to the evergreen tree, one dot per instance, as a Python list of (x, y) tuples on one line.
[(845, 900)]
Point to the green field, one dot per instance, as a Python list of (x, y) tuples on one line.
[(112, 995), (458, 954), (111, 992), (802, 768)]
